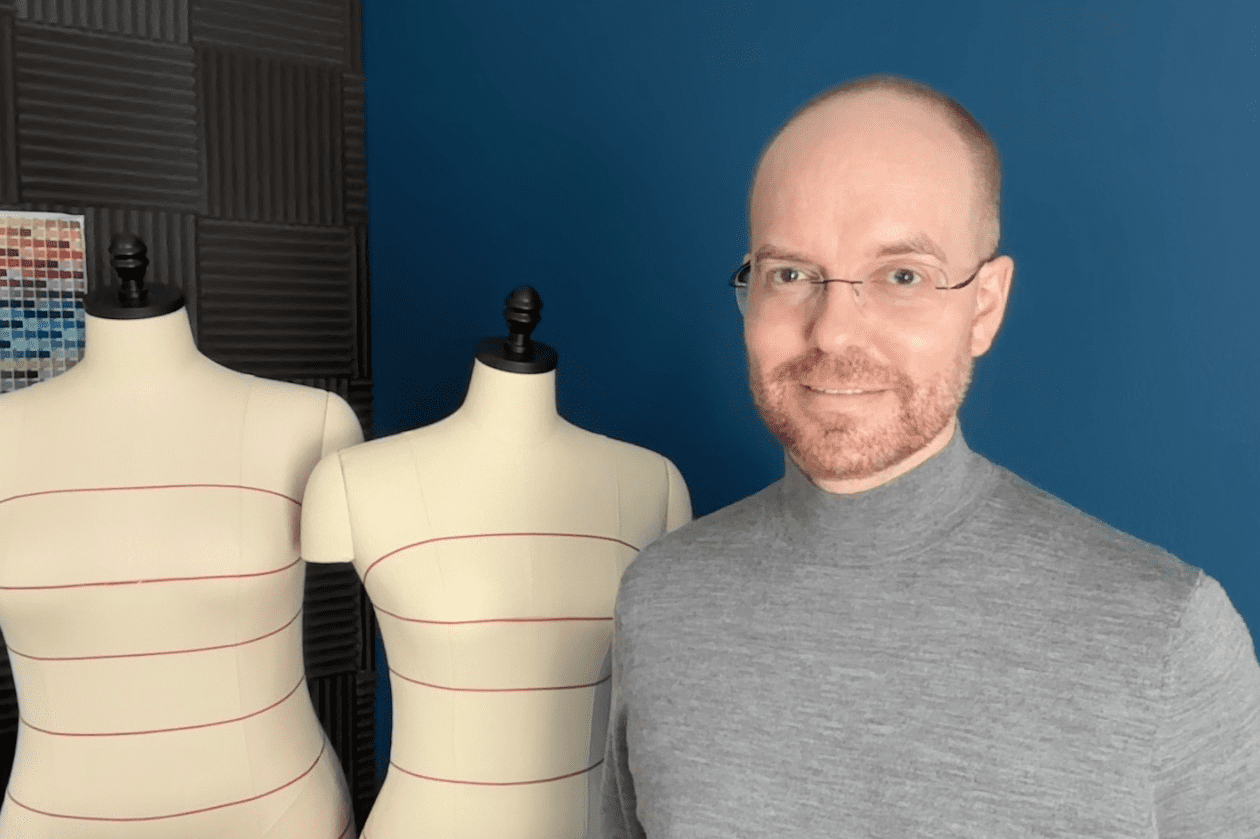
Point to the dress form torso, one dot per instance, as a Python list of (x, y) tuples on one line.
[(492, 545), (151, 592)]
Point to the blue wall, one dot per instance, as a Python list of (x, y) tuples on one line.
[(600, 151)]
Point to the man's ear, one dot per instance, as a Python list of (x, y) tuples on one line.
[(993, 287)]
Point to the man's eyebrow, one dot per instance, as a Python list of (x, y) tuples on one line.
[(772, 252), (919, 243)]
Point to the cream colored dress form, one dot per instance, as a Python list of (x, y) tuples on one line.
[(151, 595), (492, 544)]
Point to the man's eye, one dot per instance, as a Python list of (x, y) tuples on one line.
[(787, 276), (903, 277)]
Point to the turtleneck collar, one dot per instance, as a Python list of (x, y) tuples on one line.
[(891, 521)]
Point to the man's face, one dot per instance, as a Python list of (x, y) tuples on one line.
[(867, 184)]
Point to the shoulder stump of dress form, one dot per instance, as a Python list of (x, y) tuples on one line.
[(131, 299), (516, 352)]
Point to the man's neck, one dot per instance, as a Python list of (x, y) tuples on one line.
[(852, 486)]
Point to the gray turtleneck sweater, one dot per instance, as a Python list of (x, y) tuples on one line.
[(952, 654)]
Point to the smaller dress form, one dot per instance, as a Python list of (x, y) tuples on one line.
[(151, 595), (492, 545)]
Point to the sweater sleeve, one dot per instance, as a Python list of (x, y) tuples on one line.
[(618, 805), (1207, 750)]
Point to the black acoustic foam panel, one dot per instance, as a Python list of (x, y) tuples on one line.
[(273, 135), (362, 307), (8, 113), (107, 122), (346, 702), (355, 159), (277, 300), (317, 30), (158, 20), (331, 631)]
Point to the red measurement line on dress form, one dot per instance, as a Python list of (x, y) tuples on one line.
[(496, 783), (498, 690), (211, 808), (458, 537), (287, 624), (275, 704), (71, 490), (107, 583), (487, 620)]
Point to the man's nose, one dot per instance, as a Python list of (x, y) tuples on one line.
[(836, 317)]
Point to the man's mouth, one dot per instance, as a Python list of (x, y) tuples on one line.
[(842, 391)]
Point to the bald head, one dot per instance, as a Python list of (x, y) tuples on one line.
[(897, 106)]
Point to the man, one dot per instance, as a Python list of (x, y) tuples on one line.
[(901, 639)]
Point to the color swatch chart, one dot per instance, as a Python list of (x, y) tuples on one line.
[(42, 283)]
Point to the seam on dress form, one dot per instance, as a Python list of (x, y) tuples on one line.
[(345, 495)]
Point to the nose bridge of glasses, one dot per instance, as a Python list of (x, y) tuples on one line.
[(835, 304), (839, 285)]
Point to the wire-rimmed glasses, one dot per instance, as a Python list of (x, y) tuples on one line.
[(898, 290)]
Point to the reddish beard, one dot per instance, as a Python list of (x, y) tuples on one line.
[(843, 446)]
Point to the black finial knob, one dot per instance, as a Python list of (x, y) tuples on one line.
[(130, 258), (131, 299), (522, 310), (517, 352)]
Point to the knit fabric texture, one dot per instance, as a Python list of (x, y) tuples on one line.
[(952, 654)]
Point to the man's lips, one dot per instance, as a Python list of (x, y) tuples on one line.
[(844, 391)]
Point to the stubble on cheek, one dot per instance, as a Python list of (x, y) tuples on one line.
[(840, 445)]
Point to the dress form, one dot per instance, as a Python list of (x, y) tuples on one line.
[(151, 592), (492, 545)]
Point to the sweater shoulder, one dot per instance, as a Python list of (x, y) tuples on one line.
[(1019, 519), (747, 524)]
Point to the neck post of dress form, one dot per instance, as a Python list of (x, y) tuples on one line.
[(131, 298), (517, 352)]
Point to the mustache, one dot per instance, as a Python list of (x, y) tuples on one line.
[(852, 367)]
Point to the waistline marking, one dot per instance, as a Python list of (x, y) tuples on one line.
[(496, 783), (285, 785), (275, 704), (487, 620), (497, 690)]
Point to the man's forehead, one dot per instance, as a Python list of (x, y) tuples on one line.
[(872, 130), (875, 159)]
